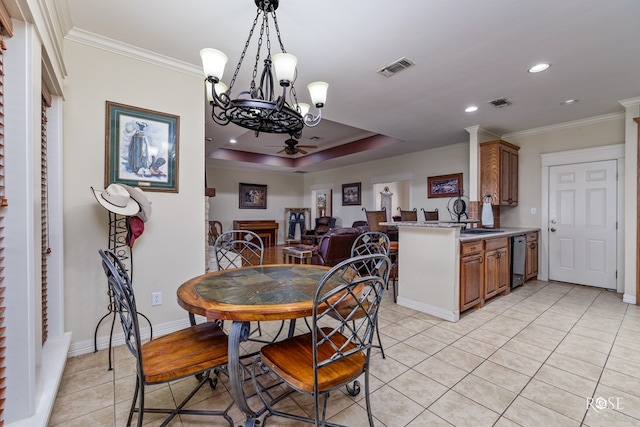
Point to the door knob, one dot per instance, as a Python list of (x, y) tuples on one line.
[(553, 230)]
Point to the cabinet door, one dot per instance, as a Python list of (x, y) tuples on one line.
[(508, 177), (513, 178), (531, 259), (471, 281), (491, 273)]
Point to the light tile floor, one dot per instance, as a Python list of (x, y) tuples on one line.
[(547, 354)]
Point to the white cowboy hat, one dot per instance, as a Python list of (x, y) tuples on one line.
[(145, 203), (117, 200)]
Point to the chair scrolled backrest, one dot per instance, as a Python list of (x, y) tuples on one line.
[(357, 283), (411, 215), (215, 229), (374, 218), (430, 215), (124, 301), (238, 248), (371, 242)]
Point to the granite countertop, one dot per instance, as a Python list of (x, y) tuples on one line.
[(490, 233), (504, 232)]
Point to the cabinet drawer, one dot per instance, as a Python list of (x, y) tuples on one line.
[(531, 237), (470, 248), (500, 242)]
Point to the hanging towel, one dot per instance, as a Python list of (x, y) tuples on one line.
[(487, 212)]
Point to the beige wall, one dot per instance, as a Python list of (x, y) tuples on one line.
[(171, 247), (597, 133), (415, 167), (284, 190)]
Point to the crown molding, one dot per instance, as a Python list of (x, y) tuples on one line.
[(133, 52), (631, 102), (566, 125)]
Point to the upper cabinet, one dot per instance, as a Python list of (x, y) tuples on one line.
[(499, 172)]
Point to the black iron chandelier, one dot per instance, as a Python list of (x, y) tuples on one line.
[(258, 108)]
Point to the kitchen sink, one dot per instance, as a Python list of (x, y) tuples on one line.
[(479, 231)]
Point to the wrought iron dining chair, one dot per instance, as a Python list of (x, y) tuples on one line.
[(197, 350), (238, 248), (371, 242), (337, 351)]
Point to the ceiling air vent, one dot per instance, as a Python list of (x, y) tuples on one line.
[(500, 102), (396, 66)]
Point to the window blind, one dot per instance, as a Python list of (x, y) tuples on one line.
[(44, 206)]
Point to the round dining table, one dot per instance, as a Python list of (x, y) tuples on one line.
[(254, 293)]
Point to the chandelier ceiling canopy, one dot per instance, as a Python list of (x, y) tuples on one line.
[(258, 108)]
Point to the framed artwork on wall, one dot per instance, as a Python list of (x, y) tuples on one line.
[(141, 148), (253, 196), (444, 185), (351, 194)]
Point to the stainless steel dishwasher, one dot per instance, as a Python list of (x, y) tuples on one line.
[(518, 250)]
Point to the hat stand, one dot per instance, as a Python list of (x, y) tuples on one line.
[(118, 245)]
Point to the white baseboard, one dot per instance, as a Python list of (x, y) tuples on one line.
[(85, 347), (54, 359), (631, 299), (451, 316)]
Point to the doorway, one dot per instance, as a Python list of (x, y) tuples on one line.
[(582, 217)]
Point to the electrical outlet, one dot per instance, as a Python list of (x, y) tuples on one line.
[(156, 298), (533, 211)]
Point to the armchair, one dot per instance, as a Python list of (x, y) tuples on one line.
[(335, 246), (323, 224)]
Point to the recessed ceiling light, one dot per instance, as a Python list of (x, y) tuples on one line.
[(569, 101), (471, 109), (539, 67), (232, 141)]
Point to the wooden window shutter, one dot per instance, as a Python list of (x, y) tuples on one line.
[(6, 29)]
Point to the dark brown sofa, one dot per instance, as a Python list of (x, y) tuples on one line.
[(335, 246)]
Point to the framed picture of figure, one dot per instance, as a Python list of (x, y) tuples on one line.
[(141, 148)]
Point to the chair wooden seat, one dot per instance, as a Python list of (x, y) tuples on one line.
[(337, 351), (292, 359), (183, 353)]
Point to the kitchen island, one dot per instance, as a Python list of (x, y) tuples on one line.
[(429, 259)]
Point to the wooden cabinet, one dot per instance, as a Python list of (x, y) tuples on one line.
[(499, 172), (496, 267), (484, 271), (471, 275), (531, 257)]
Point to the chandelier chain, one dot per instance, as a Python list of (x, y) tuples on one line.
[(275, 22)]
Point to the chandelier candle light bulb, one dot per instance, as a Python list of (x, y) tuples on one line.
[(259, 108)]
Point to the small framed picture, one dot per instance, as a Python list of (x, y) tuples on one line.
[(141, 148), (253, 196), (351, 194), (445, 185)]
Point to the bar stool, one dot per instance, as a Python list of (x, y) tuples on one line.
[(393, 255)]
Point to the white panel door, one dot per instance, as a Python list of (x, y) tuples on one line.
[(582, 223)]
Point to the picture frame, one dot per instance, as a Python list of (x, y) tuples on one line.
[(323, 201), (252, 196), (444, 185), (351, 194), (141, 148)]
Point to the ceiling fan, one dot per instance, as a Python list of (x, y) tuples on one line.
[(291, 147)]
